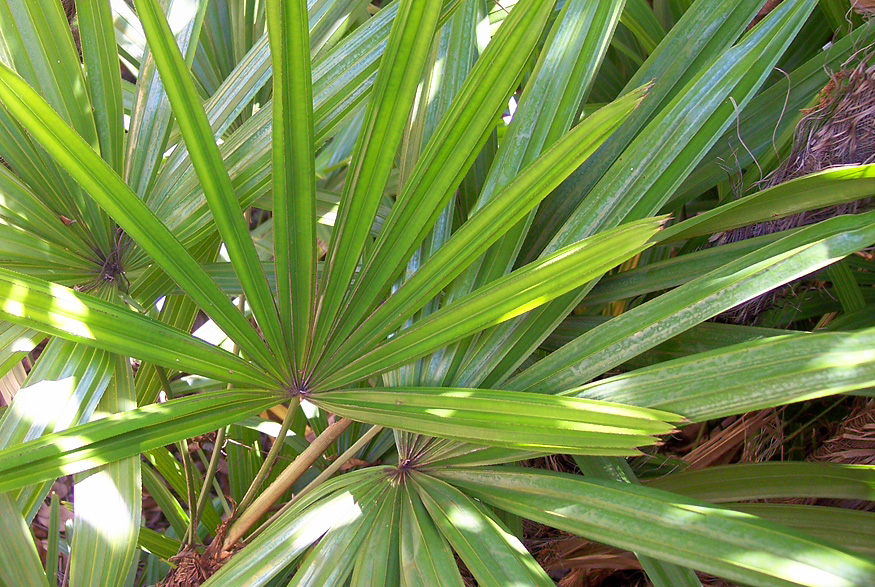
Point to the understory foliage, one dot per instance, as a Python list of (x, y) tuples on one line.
[(418, 244)]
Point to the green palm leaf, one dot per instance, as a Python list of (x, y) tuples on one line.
[(514, 294), (213, 176), (664, 525), (60, 311), (774, 371), (773, 480), (17, 545), (491, 553), (400, 71), (473, 176), (333, 504), (606, 346), (503, 418), (294, 176), (426, 558), (126, 434), (685, 129), (108, 503), (133, 216)]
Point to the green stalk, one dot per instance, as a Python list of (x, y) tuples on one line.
[(270, 460), (216, 486), (191, 535), (52, 548), (209, 475)]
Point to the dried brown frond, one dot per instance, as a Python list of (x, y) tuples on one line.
[(840, 130), (764, 12), (558, 463), (767, 441), (467, 576), (577, 562), (707, 581), (594, 565), (727, 439), (854, 442), (194, 567), (11, 383), (69, 7), (864, 7)]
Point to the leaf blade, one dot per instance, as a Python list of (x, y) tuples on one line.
[(620, 339), (390, 103), (668, 527), (211, 171), (294, 174), (486, 225), (114, 196), (126, 434), (501, 418), (447, 157), (108, 503), (103, 76), (495, 556), (772, 480), (63, 312), (781, 369), (501, 300)]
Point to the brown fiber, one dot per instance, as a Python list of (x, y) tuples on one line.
[(839, 130)]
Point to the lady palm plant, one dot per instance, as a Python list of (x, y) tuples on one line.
[(407, 296)]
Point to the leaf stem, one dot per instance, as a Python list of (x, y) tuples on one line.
[(285, 480), (208, 477), (216, 485), (52, 548), (333, 468), (165, 381), (270, 460), (187, 465)]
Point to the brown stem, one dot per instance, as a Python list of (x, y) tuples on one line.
[(281, 484), (330, 470)]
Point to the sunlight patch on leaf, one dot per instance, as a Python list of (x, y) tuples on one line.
[(80, 464), (437, 72), (182, 12), (100, 505), (68, 301), (799, 572), (441, 412), (21, 345), (842, 358), (44, 403), (459, 394), (523, 308), (11, 305), (329, 217), (337, 512), (460, 519), (71, 325)]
